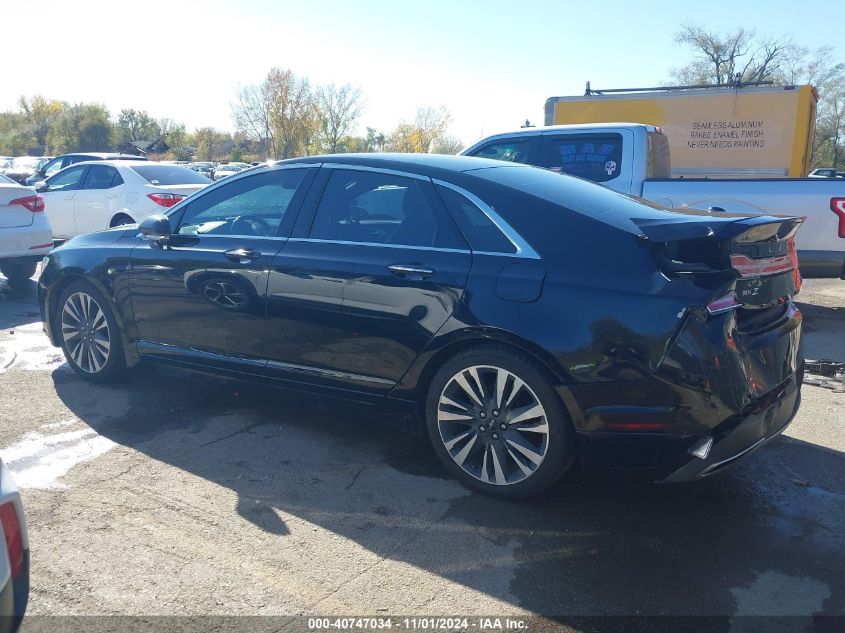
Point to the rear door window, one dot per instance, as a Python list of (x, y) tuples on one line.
[(101, 177), (596, 157), (382, 208)]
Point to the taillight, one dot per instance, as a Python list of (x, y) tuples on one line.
[(165, 199), (748, 267), (14, 537), (30, 203), (837, 205), (723, 304)]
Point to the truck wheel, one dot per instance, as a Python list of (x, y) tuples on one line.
[(18, 273)]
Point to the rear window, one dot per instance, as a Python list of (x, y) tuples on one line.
[(596, 157), (170, 175), (659, 162), (598, 202)]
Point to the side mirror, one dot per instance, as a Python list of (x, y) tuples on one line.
[(155, 228), (41, 186)]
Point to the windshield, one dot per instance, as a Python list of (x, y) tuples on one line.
[(170, 175)]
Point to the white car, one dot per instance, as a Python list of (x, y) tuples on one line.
[(25, 233), (229, 169), (14, 557), (96, 195)]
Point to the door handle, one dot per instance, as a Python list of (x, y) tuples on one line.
[(243, 255), (410, 271)]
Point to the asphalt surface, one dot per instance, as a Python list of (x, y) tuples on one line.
[(170, 494)]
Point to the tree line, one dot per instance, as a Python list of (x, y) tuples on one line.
[(288, 116), (281, 117)]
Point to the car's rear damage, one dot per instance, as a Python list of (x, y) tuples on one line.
[(731, 375)]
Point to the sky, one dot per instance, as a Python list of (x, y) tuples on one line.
[(492, 63)]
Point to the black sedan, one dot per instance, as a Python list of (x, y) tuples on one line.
[(529, 319)]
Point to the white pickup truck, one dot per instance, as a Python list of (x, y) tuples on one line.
[(634, 158)]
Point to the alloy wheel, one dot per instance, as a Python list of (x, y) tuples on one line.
[(85, 330), (493, 425)]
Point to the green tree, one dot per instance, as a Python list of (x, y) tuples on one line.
[(137, 125), (376, 141), (84, 127), (15, 135), (40, 115)]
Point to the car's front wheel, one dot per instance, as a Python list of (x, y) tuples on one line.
[(497, 424), (89, 332)]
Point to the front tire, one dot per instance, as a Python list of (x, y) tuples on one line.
[(18, 273), (90, 336), (497, 424)]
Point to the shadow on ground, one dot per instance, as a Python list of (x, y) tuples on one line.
[(765, 536), (19, 303)]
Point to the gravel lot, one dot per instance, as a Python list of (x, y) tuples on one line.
[(173, 495)]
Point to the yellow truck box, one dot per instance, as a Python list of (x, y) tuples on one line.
[(724, 132)]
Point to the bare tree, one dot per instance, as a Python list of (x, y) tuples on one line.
[(338, 109), (721, 58), (251, 112), (292, 111), (429, 127), (447, 145)]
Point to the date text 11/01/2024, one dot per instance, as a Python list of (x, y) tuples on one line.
[(418, 623)]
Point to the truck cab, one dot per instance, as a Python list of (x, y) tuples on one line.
[(617, 155), (635, 159)]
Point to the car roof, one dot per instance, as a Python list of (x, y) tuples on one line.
[(424, 164), (104, 155), (569, 126), (120, 163)]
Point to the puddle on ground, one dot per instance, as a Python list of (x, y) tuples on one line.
[(41, 458)]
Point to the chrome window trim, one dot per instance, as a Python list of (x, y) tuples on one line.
[(406, 246), (523, 248), (230, 236)]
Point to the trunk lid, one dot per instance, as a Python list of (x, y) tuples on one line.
[(751, 258), (14, 215), (745, 331)]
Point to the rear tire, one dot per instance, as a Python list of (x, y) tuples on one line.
[(90, 336), (18, 273), (509, 435)]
